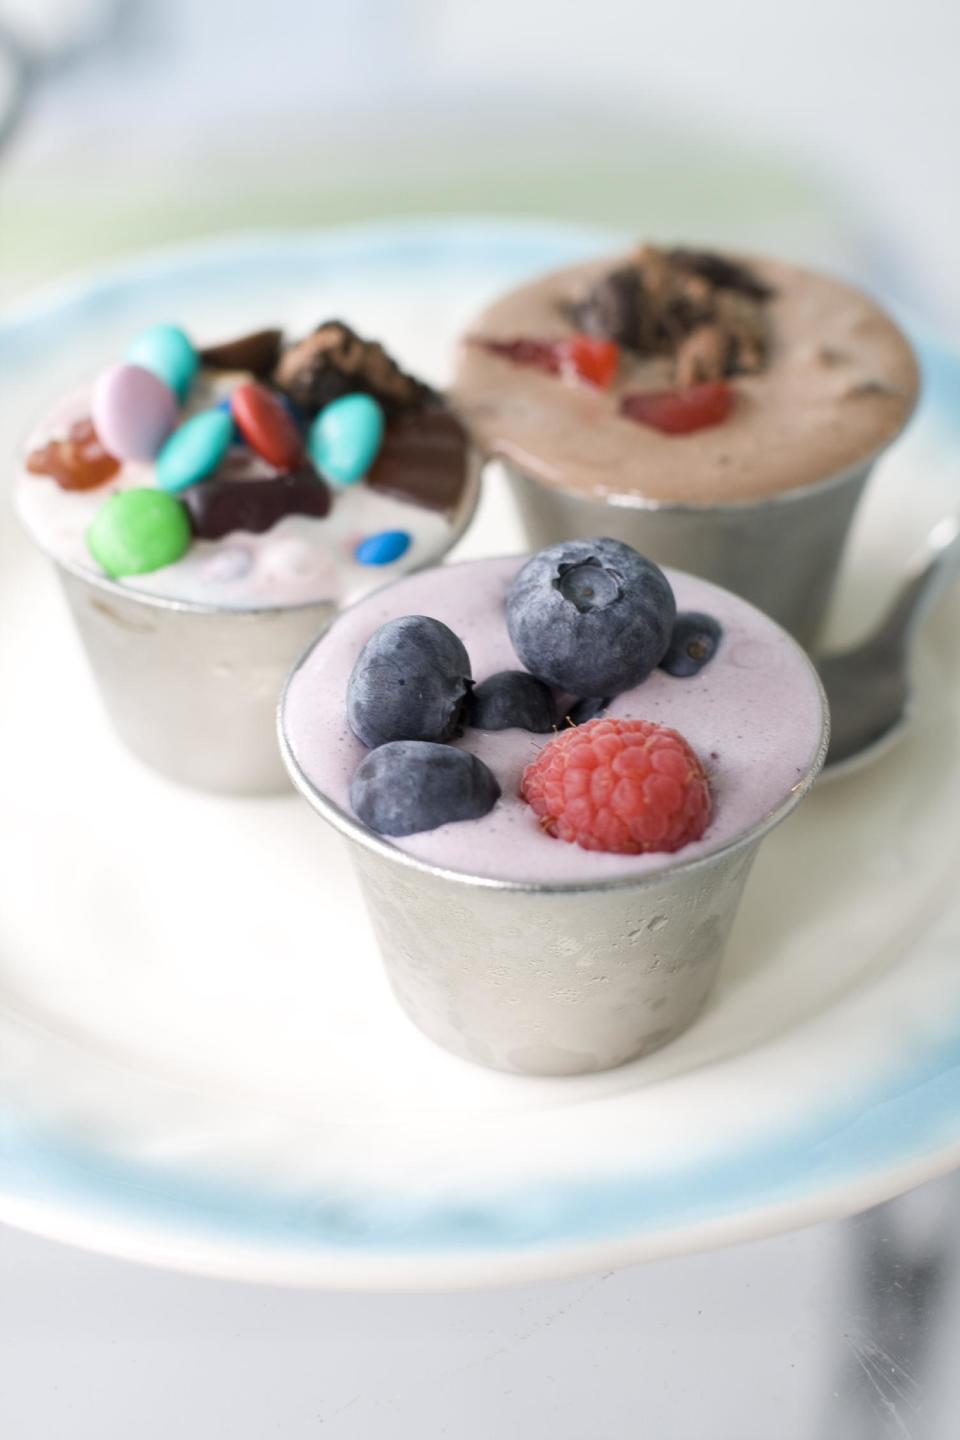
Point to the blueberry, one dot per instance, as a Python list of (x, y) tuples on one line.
[(592, 617), (412, 785), (409, 683), (587, 709), (511, 700), (693, 644)]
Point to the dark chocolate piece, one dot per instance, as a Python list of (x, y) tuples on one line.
[(335, 361), (423, 459), (218, 506), (257, 352)]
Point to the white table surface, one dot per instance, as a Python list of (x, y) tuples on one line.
[(845, 1331)]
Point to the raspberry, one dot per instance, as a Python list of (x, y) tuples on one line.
[(680, 412), (627, 786)]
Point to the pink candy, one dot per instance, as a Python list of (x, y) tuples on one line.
[(133, 412)]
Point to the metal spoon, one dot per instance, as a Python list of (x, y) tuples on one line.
[(868, 686)]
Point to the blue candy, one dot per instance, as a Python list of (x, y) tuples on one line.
[(194, 450), (168, 352), (384, 548), (226, 405), (345, 437)]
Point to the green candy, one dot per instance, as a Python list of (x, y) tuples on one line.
[(136, 531), (168, 352)]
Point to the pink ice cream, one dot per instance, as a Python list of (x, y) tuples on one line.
[(754, 715)]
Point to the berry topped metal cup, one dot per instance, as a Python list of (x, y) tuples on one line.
[(209, 509), (554, 774), (721, 415)]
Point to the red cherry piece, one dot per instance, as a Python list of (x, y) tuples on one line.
[(538, 354), (579, 357), (680, 412), (77, 463), (266, 425), (591, 359)]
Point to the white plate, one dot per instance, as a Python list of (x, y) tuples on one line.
[(200, 1063)]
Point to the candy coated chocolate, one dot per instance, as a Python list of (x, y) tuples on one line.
[(194, 450), (168, 352), (384, 548), (267, 425), (345, 437), (77, 463), (133, 412), (219, 506), (136, 531), (423, 459)]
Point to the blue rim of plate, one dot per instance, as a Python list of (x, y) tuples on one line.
[(894, 1134)]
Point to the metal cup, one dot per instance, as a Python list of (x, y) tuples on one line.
[(781, 553), (192, 689), (550, 979)]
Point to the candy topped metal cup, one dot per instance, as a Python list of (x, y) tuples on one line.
[(209, 510), (504, 942), (722, 415)]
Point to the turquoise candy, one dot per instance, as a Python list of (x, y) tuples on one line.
[(194, 450), (345, 437), (136, 531), (384, 548), (168, 352)]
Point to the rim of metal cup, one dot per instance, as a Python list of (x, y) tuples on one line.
[(114, 588), (353, 829), (780, 499)]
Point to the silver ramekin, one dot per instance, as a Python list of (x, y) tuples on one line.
[(550, 979), (192, 689), (781, 553)]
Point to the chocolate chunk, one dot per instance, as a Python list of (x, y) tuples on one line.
[(219, 505), (335, 361), (614, 308), (423, 459), (700, 309), (257, 352), (703, 355), (720, 272)]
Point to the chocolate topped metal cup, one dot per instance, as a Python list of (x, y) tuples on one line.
[(732, 433), (198, 559)]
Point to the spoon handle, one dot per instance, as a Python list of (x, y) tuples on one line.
[(930, 574)]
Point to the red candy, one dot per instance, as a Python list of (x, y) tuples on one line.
[(266, 425), (77, 463), (582, 357), (680, 412), (625, 786)]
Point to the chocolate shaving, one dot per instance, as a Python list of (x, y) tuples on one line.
[(423, 459), (704, 311), (335, 361), (257, 352)]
